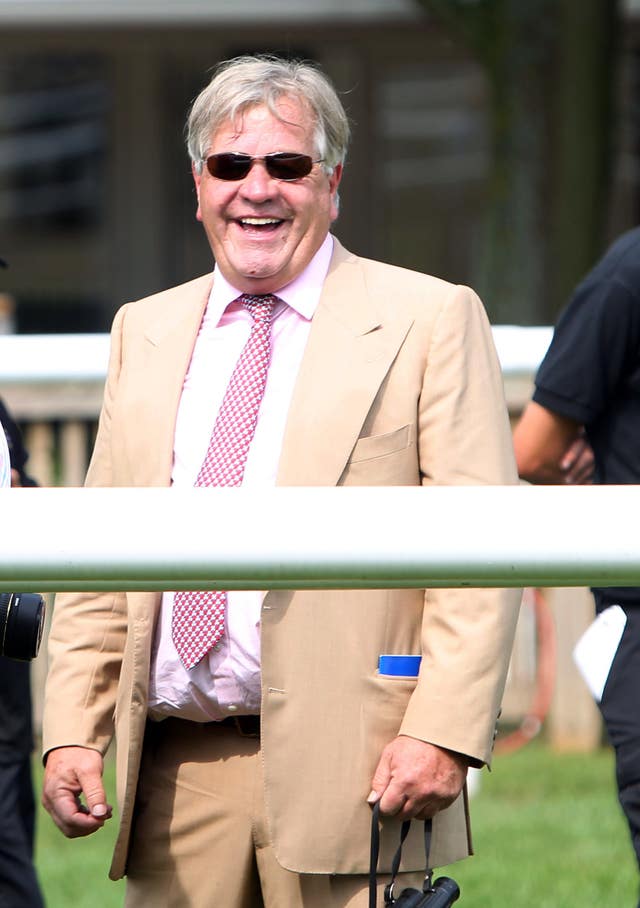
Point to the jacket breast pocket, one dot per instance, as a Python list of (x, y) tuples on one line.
[(374, 446)]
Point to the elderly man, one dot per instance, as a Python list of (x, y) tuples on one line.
[(254, 730)]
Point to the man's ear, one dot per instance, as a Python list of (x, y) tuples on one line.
[(197, 179), (334, 182)]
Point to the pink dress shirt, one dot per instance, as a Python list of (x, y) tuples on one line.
[(227, 680)]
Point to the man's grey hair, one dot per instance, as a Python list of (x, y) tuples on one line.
[(249, 81)]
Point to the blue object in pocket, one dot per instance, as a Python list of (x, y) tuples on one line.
[(407, 665)]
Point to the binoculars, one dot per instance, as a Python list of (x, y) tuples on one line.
[(441, 894)]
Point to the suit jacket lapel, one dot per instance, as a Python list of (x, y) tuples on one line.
[(168, 347), (350, 349)]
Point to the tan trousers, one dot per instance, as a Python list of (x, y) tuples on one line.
[(201, 839)]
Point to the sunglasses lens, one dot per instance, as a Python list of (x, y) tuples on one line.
[(229, 166), (286, 166), (281, 166)]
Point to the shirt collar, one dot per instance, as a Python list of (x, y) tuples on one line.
[(302, 294)]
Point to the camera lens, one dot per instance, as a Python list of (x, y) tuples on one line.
[(21, 625)]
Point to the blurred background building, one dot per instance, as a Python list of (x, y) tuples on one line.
[(96, 202)]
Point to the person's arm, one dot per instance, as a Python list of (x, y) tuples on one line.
[(551, 448), (86, 644), (17, 452), (467, 634)]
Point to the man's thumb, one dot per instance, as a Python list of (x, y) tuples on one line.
[(95, 796)]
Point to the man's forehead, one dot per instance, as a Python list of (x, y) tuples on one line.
[(291, 111)]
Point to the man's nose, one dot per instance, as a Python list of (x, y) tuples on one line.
[(257, 185)]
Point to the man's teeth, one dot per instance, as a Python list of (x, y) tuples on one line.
[(259, 222)]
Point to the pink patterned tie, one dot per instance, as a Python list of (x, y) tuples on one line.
[(198, 617)]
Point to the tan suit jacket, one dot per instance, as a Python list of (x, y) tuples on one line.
[(399, 385)]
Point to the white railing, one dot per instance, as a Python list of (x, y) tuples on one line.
[(98, 539), (53, 385), (36, 358), (521, 349)]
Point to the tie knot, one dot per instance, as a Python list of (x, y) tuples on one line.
[(260, 307)]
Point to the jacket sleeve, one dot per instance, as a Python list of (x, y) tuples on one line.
[(463, 439), (88, 630)]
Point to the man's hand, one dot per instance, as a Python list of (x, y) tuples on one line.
[(72, 772), (417, 779), (577, 464), (542, 440)]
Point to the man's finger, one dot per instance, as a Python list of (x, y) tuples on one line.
[(393, 800), (71, 817), (72, 773), (381, 777)]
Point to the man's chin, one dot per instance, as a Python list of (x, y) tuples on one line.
[(260, 278)]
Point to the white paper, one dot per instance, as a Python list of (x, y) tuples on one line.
[(595, 650)]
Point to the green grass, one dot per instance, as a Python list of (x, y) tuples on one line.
[(548, 833)]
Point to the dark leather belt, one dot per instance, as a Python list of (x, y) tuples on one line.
[(246, 726)]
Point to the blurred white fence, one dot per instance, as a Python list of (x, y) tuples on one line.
[(62, 358), (53, 385)]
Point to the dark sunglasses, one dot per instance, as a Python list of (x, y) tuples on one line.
[(283, 165)]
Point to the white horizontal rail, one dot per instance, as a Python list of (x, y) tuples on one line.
[(521, 349), (35, 358), (318, 538)]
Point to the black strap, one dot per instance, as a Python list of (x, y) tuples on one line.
[(426, 886), (395, 864), (375, 848)]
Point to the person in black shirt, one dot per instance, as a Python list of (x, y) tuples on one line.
[(19, 886), (585, 418), (17, 451)]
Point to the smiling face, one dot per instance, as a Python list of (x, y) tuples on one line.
[(264, 232)]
